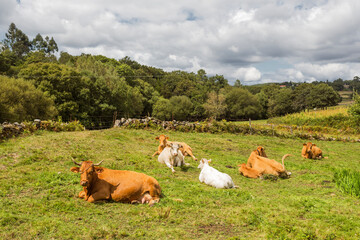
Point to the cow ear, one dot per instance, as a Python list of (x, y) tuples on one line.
[(75, 169), (99, 170), (157, 138), (314, 145), (169, 144), (304, 144), (209, 160), (167, 138), (180, 146)]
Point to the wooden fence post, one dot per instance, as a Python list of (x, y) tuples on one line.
[(114, 118), (250, 125)]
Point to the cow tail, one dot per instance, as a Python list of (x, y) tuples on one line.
[(283, 158)]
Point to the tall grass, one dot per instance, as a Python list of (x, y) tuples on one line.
[(335, 118), (348, 181)]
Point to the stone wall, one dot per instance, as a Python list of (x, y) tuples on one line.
[(8, 130)]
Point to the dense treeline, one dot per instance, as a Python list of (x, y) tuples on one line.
[(85, 87)]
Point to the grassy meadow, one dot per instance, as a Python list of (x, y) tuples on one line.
[(38, 192)]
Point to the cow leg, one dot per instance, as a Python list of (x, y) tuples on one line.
[(249, 172), (97, 196), (191, 155), (156, 153), (153, 201), (170, 166), (183, 163), (82, 194)]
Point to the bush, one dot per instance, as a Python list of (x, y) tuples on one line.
[(20, 100), (354, 110)]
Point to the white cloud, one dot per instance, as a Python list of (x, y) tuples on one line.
[(319, 38), (242, 16), (247, 74)]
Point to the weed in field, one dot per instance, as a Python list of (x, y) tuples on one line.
[(348, 181)]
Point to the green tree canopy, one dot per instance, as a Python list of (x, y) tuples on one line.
[(162, 109), (241, 104), (20, 100), (181, 107), (215, 105), (17, 41)]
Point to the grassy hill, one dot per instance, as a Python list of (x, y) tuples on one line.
[(38, 193), (346, 97)]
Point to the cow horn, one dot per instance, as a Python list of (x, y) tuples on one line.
[(98, 163), (76, 162)]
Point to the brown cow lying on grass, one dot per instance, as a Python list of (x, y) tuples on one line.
[(101, 183), (163, 140), (258, 165), (311, 151)]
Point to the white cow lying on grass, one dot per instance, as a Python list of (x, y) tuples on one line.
[(172, 156), (213, 177)]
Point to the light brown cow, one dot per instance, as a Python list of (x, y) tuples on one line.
[(311, 151), (260, 151), (163, 140), (258, 166), (101, 183)]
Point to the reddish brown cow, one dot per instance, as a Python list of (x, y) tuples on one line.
[(258, 165), (311, 151), (101, 183), (185, 149), (260, 151)]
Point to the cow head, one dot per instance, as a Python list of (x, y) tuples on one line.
[(307, 149), (203, 161), (261, 152), (162, 139), (174, 148), (87, 170)]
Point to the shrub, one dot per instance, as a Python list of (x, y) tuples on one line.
[(20, 100)]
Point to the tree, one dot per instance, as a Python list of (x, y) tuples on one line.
[(280, 104), (242, 104), (20, 100), (218, 81), (38, 43), (301, 100), (266, 96), (17, 41), (162, 109), (181, 107), (215, 106), (322, 95), (66, 58), (149, 95), (338, 84), (51, 46)]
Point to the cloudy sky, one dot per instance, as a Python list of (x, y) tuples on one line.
[(255, 41)]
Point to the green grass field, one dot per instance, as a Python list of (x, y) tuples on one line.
[(38, 193)]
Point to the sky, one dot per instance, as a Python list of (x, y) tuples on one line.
[(254, 41)]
